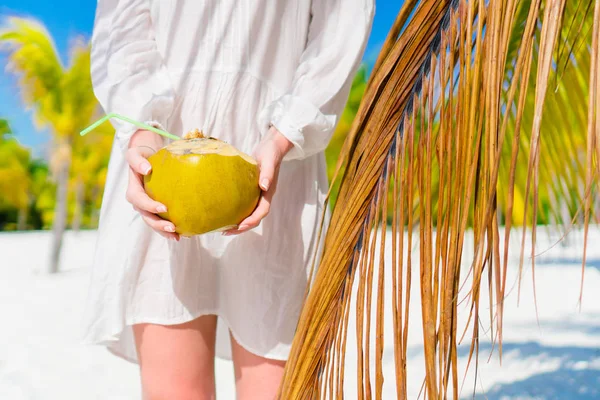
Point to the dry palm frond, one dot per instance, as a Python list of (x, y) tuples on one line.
[(448, 138)]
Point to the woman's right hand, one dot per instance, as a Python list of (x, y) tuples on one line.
[(141, 146)]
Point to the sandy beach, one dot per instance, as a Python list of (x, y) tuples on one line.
[(41, 356)]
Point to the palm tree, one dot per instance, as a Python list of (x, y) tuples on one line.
[(42, 195), (61, 97), (4, 127), (343, 127), (476, 114), (15, 182), (90, 163)]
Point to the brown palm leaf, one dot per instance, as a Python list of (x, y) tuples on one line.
[(454, 105)]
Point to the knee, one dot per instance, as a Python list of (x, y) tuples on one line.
[(178, 388)]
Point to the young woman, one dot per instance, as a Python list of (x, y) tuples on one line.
[(270, 77)]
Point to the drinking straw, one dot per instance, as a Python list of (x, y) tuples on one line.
[(131, 121)]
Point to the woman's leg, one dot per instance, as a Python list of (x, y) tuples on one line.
[(177, 361), (255, 377)]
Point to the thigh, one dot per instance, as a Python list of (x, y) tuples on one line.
[(255, 377), (177, 361)]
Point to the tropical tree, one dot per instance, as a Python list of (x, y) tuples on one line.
[(60, 96), (88, 175), (15, 181), (343, 127), (42, 195), (4, 127), (476, 114), (24, 185)]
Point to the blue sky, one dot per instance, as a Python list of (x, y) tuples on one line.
[(66, 19)]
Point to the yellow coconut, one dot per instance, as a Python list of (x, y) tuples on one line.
[(206, 184)]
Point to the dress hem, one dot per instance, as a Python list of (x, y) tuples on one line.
[(113, 339)]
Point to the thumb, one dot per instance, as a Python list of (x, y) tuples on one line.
[(267, 172)]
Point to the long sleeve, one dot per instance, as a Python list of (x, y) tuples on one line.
[(308, 112), (128, 73)]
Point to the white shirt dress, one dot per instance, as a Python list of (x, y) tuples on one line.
[(230, 68)]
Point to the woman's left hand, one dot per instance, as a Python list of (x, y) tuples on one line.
[(269, 154)]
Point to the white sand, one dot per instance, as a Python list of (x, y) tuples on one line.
[(41, 358)]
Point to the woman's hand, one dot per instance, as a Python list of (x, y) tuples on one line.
[(141, 146), (269, 154)]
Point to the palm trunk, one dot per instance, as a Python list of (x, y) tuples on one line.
[(60, 214), (78, 213), (22, 219)]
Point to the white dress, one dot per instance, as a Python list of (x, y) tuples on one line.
[(230, 68)]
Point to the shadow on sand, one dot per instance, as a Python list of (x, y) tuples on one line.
[(574, 378)]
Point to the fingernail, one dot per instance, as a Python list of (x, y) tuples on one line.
[(265, 184), (242, 227), (226, 233), (169, 228), (145, 167), (161, 209)]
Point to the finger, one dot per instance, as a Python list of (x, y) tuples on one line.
[(155, 222), (162, 226), (137, 159), (138, 197), (267, 173), (170, 236), (260, 212), (252, 221)]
